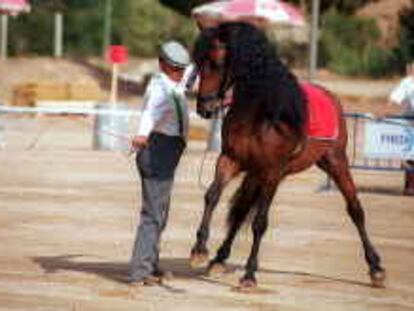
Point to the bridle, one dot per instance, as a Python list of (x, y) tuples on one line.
[(218, 96)]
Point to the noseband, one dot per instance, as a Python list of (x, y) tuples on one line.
[(220, 94)]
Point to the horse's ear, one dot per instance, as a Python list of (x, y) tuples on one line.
[(202, 45), (228, 32)]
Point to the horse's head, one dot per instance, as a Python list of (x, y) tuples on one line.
[(226, 54), (241, 57), (210, 55)]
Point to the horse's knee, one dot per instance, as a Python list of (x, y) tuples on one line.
[(202, 234), (356, 212), (212, 196), (259, 225)]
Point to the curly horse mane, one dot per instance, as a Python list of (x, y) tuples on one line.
[(260, 78)]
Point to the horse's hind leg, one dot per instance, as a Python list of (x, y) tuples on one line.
[(243, 201), (335, 164), (226, 170)]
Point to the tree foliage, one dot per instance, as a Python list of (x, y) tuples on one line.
[(31, 33), (144, 24), (141, 25), (348, 43), (349, 46), (405, 50)]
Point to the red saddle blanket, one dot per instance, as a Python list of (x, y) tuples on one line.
[(323, 117)]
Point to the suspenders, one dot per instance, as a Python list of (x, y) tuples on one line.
[(178, 112), (175, 101)]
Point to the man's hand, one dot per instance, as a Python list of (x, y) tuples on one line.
[(387, 110), (381, 115), (139, 142)]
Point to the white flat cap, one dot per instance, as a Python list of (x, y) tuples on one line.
[(175, 54)]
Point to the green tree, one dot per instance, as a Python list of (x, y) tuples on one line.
[(349, 46), (405, 50), (31, 33), (83, 30), (144, 24), (183, 6)]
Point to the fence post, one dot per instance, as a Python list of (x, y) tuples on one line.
[(58, 35), (4, 36), (106, 42), (214, 140), (110, 130), (313, 40)]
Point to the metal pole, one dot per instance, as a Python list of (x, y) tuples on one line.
[(58, 36), (4, 36), (107, 26), (214, 140), (114, 84), (313, 40)]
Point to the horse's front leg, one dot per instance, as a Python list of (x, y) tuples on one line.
[(226, 170)]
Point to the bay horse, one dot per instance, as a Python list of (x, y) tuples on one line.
[(263, 136)]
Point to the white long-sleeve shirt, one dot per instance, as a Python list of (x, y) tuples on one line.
[(190, 77), (159, 113), (403, 94)]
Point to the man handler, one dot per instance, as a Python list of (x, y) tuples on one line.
[(401, 100), (160, 142)]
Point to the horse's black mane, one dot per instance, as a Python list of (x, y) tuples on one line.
[(260, 78)]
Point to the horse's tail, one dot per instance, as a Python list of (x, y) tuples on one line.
[(243, 201)]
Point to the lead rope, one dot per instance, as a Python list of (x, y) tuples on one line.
[(127, 155), (123, 250), (41, 133), (201, 185)]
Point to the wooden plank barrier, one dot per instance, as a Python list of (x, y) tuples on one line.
[(27, 94)]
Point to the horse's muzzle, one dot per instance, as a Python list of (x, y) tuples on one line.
[(205, 114), (207, 106)]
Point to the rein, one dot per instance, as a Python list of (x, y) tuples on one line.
[(219, 95)]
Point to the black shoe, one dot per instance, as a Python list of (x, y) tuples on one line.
[(162, 275)]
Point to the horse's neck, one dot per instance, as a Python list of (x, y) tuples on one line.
[(244, 119), (247, 109), (243, 114)]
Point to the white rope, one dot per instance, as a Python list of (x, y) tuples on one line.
[(201, 185)]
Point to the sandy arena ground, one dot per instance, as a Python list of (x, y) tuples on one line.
[(68, 216)]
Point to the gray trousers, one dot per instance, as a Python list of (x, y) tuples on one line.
[(154, 214), (156, 165)]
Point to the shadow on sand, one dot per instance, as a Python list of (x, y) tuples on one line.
[(118, 272), (380, 190), (388, 191)]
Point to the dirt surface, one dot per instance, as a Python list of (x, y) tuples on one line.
[(68, 217)]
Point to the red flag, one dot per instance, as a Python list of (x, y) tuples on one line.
[(117, 54)]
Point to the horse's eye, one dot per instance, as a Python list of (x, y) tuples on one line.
[(208, 66), (215, 65)]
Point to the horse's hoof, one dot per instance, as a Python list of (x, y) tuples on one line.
[(247, 286), (216, 269), (198, 260), (377, 278)]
